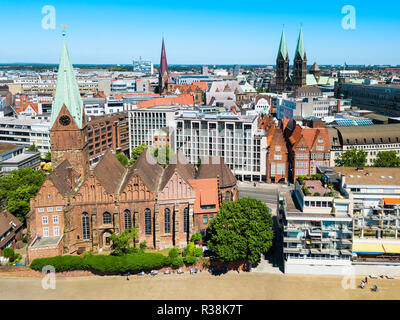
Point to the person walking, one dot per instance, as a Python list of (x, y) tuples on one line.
[(366, 279)]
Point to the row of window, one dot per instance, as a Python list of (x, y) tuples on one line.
[(107, 219), (49, 209), (46, 232), (45, 219)]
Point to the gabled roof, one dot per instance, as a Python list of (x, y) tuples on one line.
[(211, 167), (183, 99), (67, 91), (62, 177), (5, 219), (178, 164), (109, 171), (149, 171), (206, 194)]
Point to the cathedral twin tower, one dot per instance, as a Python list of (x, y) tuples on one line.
[(285, 81)]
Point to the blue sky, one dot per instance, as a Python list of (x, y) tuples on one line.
[(200, 32)]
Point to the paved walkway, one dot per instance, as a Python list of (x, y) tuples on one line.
[(202, 286)]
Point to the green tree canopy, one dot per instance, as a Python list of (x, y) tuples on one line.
[(136, 152), (352, 158), (123, 159), (242, 229), (121, 243), (48, 157), (33, 148), (162, 154), (387, 159), (17, 188)]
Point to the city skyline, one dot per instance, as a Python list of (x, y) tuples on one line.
[(233, 34)]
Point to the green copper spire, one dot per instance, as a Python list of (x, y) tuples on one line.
[(67, 91), (282, 46), (300, 45)]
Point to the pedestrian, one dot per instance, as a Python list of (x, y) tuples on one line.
[(366, 279), (127, 275), (362, 285)]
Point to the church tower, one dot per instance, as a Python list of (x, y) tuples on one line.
[(300, 64), (282, 65), (68, 133), (163, 73)]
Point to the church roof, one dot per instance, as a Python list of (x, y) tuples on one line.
[(282, 46), (211, 167), (148, 170), (109, 171), (61, 177), (300, 45), (179, 164), (67, 91), (315, 67)]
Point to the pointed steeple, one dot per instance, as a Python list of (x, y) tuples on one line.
[(300, 45), (163, 62), (283, 47), (67, 91)]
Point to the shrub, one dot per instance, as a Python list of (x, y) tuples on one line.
[(307, 178), (25, 239), (190, 260), (185, 252), (198, 252), (206, 263), (8, 252), (177, 263), (317, 176), (173, 253), (191, 248), (196, 237), (104, 263), (143, 245), (317, 194)]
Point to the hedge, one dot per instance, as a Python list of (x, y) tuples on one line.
[(104, 263)]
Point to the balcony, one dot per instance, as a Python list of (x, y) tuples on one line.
[(291, 250), (291, 239)]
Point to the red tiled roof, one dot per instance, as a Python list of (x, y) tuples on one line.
[(22, 108), (206, 194), (185, 99)]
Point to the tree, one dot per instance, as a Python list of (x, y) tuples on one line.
[(136, 152), (387, 159), (33, 148), (121, 243), (17, 188), (123, 159), (352, 158), (48, 157), (162, 154), (242, 229)]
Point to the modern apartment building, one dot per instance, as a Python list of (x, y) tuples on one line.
[(144, 122), (376, 196), (236, 138), (108, 132), (26, 131), (316, 222), (143, 66)]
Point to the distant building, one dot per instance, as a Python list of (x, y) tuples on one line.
[(10, 230), (236, 70), (204, 70), (143, 66), (383, 99)]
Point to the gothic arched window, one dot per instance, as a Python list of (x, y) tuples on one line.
[(186, 220), (167, 221), (127, 220), (147, 221), (106, 218), (85, 226)]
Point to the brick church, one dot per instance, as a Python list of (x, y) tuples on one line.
[(78, 207)]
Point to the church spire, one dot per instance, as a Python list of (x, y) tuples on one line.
[(163, 62), (282, 46), (300, 46), (67, 91)]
